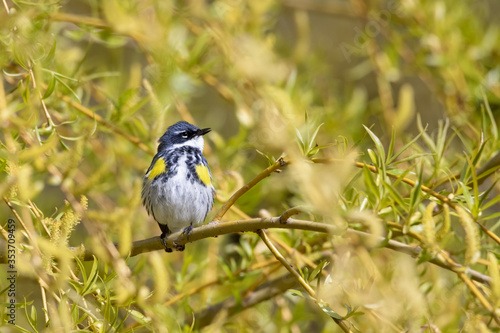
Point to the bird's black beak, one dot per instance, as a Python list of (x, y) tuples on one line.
[(204, 131)]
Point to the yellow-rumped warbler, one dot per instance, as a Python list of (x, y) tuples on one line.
[(177, 189)]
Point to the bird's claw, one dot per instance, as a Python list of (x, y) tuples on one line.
[(179, 247), (164, 242), (187, 230)]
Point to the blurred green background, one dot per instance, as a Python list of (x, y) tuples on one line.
[(88, 87)]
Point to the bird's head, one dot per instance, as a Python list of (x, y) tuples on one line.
[(183, 134)]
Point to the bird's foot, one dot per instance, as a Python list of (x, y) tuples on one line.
[(187, 230), (178, 247), (164, 242)]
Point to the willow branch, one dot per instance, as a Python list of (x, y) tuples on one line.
[(473, 288), (484, 172), (231, 307), (25, 227), (262, 234), (424, 188), (264, 174), (252, 225), (92, 115), (197, 289), (479, 296)]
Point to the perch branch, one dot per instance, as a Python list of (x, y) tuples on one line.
[(252, 225)]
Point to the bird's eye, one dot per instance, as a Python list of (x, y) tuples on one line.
[(184, 135)]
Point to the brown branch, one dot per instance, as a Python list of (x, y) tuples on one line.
[(20, 220), (252, 225), (79, 19), (412, 183), (262, 234), (289, 213), (225, 207), (231, 307), (92, 115), (436, 195)]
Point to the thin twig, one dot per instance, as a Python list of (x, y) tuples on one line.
[(412, 183), (19, 219), (289, 213), (79, 19), (6, 6), (44, 304), (225, 207), (92, 115), (231, 307), (50, 122), (195, 290), (472, 287), (262, 234), (35, 211)]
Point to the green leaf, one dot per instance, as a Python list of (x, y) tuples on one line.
[(417, 190), (296, 292), (466, 195), (139, 316), (492, 202), (378, 143), (441, 138), (370, 184), (25, 89), (50, 87), (475, 187), (22, 329), (386, 239), (91, 279), (69, 88), (246, 247), (65, 147), (493, 126), (354, 314), (479, 153), (312, 141), (428, 140), (410, 158), (31, 317), (373, 158), (270, 159), (395, 195), (491, 217), (317, 270), (52, 52), (416, 194), (391, 146), (326, 309), (406, 146), (301, 141)]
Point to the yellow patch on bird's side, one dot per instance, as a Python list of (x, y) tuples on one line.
[(203, 173), (157, 169)]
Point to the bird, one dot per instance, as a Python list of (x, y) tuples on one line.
[(177, 189)]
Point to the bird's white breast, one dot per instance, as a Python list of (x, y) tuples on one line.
[(178, 202)]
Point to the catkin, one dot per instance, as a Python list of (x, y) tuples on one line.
[(429, 227), (445, 227), (472, 247)]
